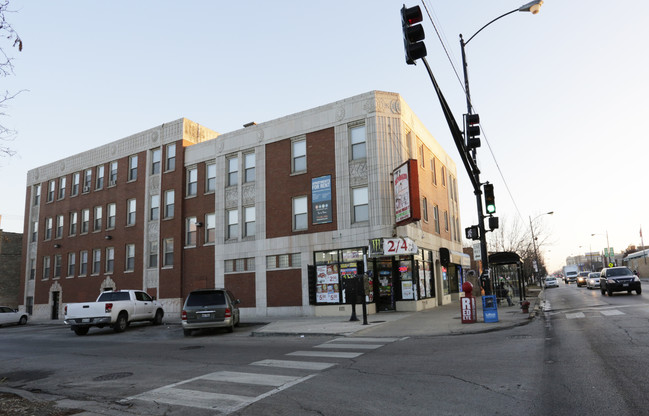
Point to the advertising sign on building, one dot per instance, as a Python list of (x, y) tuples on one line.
[(328, 287), (392, 246), (321, 200), (406, 193)]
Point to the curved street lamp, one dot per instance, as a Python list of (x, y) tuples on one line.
[(536, 254), (608, 248)]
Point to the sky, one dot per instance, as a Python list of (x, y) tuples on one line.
[(562, 95)]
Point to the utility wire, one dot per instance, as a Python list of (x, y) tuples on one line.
[(457, 75)]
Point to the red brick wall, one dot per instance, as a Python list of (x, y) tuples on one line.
[(281, 186), (284, 287), (242, 285)]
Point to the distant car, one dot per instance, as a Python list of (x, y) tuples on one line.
[(551, 281), (210, 308), (12, 316), (618, 279), (582, 278), (593, 280)]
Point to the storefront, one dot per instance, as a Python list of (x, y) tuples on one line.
[(399, 282)]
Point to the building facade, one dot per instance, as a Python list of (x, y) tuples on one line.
[(10, 260), (282, 213)]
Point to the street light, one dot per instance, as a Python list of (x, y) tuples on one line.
[(536, 254), (608, 248), (532, 7)]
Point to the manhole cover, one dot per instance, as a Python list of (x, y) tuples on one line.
[(191, 347), (113, 376)]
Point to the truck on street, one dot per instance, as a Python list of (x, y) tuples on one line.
[(570, 273), (116, 309)]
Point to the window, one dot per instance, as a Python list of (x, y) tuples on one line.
[(83, 262), (249, 221), (169, 203), (210, 173), (358, 141), (87, 180), (99, 181), (130, 258), (436, 218), (300, 213), (171, 157), (46, 267), (233, 223), (168, 247), (32, 269), (34, 231), (49, 224), (57, 266), (446, 221), (62, 183), (37, 194), (190, 231), (96, 261), (130, 212), (110, 259), (59, 226), (443, 175), (154, 208), (298, 155), (97, 218), (210, 228), (72, 264), (85, 221), (76, 181), (156, 159), (424, 208), (153, 254), (361, 206), (111, 212), (192, 181), (249, 167), (284, 261), (50, 191), (112, 178), (433, 170), (73, 223), (240, 265), (233, 171), (132, 168), (422, 161)]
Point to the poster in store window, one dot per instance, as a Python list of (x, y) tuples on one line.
[(327, 285), (407, 290)]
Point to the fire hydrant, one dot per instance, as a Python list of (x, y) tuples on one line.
[(525, 306)]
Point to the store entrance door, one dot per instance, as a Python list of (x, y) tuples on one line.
[(386, 290)]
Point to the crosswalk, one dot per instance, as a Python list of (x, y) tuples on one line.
[(226, 392), (581, 314)]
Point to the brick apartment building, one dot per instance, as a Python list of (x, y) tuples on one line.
[(10, 259), (281, 213)]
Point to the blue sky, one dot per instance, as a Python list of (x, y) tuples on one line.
[(561, 94)]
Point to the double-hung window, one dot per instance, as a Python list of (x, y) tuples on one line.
[(233, 171), (210, 228), (249, 221), (130, 258), (249, 167), (298, 155), (132, 168), (130, 212), (73, 223), (59, 226), (168, 247), (99, 181), (85, 220), (210, 174), (361, 205), (76, 182), (154, 208), (112, 179), (192, 181), (110, 259), (87, 180), (62, 183), (170, 162), (96, 261), (190, 231), (156, 159), (72, 264), (300, 213), (233, 223), (169, 203), (358, 142), (83, 262), (111, 211), (97, 219)]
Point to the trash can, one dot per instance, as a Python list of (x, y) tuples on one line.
[(490, 308)]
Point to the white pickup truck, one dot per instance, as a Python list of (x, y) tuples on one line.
[(116, 309)]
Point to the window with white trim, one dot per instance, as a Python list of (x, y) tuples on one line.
[(298, 155), (190, 231), (130, 258), (111, 213), (233, 170), (358, 142), (99, 181), (110, 260), (131, 212), (168, 256), (300, 213), (156, 159), (249, 221), (360, 204), (132, 168), (154, 207), (210, 228), (192, 181), (232, 216), (249, 167), (210, 177)]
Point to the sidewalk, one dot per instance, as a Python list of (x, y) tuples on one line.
[(442, 320)]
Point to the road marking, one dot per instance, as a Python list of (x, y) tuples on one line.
[(350, 346), (577, 315), (328, 354), (612, 312), (360, 339), (301, 365), (249, 378)]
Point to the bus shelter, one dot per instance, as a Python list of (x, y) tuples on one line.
[(506, 270)]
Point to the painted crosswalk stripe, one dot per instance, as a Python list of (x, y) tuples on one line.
[(349, 346), (200, 399), (575, 315), (327, 354), (612, 312), (249, 378), (301, 365), (361, 339)]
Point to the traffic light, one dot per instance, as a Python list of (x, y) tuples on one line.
[(413, 34), (472, 232), (493, 223), (472, 130), (489, 199), (444, 256)]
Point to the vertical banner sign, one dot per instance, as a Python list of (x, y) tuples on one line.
[(321, 200), (402, 193)]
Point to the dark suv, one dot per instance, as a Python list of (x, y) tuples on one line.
[(618, 279), (210, 308)]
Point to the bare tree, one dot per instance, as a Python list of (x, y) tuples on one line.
[(10, 39)]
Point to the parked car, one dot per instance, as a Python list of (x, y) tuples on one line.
[(593, 280), (12, 316), (210, 308), (582, 278), (618, 279), (551, 281)]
